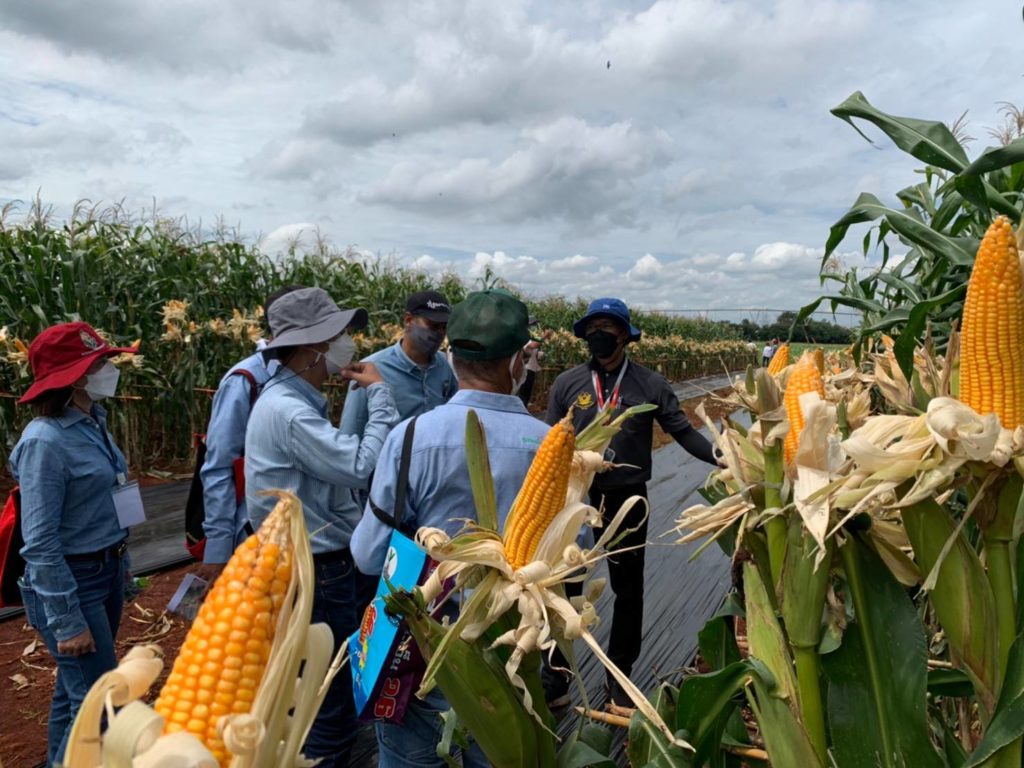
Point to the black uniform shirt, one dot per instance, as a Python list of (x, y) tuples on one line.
[(633, 444)]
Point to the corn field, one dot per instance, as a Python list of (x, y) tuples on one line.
[(194, 303)]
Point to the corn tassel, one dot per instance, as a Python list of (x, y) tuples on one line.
[(222, 661), (779, 360), (542, 495), (992, 339), (803, 378)]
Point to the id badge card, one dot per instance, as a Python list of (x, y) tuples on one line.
[(128, 504)]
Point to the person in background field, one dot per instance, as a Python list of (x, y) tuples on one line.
[(487, 334), (612, 378), (291, 444), (531, 355), (69, 470), (227, 523), (766, 354), (417, 372)]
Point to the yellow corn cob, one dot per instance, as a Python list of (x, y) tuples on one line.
[(221, 663), (819, 360), (803, 378), (542, 494), (992, 339), (779, 360)]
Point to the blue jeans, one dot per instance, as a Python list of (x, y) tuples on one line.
[(413, 744), (340, 597), (101, 599)]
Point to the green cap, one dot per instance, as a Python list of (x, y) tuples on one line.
[(488, 325)]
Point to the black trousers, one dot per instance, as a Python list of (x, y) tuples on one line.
[(626, 572)]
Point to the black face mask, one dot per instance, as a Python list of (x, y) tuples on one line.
[(426, 340), (602, 344)]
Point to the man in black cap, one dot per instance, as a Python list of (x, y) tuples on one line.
[(611, 378), (419, 376)]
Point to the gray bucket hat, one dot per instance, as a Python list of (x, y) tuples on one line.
[(309, 316)]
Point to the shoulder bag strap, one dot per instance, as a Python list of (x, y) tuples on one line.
[(254, 388), (394, 519)]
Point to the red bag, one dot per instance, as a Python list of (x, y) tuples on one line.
[(12, 566), (195, 509)]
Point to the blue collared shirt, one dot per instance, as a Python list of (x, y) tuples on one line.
[(416, 389), (225, 441), (66, 466), (291, 444), (439, 493)]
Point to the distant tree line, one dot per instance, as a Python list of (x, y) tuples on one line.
[(808, 330)]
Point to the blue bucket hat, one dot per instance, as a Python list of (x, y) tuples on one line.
[(616, 309)]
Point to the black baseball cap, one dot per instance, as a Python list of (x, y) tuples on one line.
[(429, 304)]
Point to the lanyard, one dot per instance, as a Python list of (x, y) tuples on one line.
[(614, 399)]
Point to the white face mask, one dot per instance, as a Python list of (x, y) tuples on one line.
[(339, 353), (516, 383), (103, 383)]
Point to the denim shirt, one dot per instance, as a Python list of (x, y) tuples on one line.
[(291, 445), (416, 390), (439, 492), (225, 442), (66, 466)]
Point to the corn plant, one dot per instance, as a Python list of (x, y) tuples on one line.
[(853, 487), (928, 240)]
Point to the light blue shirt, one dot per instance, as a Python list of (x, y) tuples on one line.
[(291, 444), (439, 492), (66, 466), (416, 390), (225, 519)]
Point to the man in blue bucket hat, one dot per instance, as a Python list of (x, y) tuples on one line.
[(611, 378)]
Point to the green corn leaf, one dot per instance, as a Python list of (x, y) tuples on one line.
[(929, 141), (1007, 724), (576, 753), (962, 597), (994, 158), (905, 222), (647, 744), (764, 634), (452, 735), (474, 682), (705, 704), (911, 333), (480, 478), (950, 683), (877, 677), (785, 739), (718, 643)]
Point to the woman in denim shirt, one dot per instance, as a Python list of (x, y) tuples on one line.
[(68, 467)]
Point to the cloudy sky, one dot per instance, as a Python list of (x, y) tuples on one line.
[(679, 153)]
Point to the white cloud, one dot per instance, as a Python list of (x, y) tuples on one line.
[(184, 35), (571, 263), (567, 169), (299, 236), (427, 263), (566, 141), (647, 268)]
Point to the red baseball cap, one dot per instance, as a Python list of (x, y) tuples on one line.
[(62, 354)]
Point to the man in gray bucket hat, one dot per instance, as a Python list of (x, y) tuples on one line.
[(291, 444)]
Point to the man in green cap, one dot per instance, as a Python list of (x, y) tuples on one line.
[(486, 333)]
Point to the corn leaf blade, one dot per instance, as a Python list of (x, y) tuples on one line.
[(877, 678), (480, 478)]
